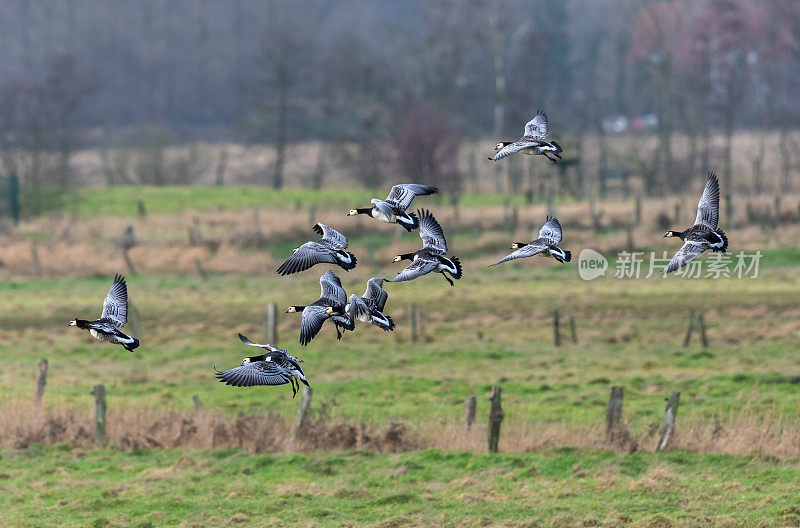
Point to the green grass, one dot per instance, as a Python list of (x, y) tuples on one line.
[(493, 331), (123, 200), (61, 486)]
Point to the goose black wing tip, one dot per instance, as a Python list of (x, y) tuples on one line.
[(318, 229)]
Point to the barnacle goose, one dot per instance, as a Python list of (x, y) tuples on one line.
[(277, 367), (330, 305), (432, 256), (546, 245), (393, 209), (532, 142), (114, 317), (704, 234), (329, 250), (369, 307)]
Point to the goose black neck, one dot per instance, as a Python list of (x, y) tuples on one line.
[(406, 256), (520, 244), (81, 323), (364, 210)]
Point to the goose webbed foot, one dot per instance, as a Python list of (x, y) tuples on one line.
[(294, 389), (447, 278), (338, 333)]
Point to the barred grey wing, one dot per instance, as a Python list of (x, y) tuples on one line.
[(551, 230), (403, 194), (431, 232), (416, 269), (708, 207), (536, 128), (254, 374), (115, 305), (311, 322), (523, 252), (308, 255), (331, 236), (687, 253), (513, 148), (375, 293), (331, 289)]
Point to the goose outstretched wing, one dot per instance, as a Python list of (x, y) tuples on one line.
[(357, 307), (311, 322), (308, 255), (115, 305), (402, 194), (418, 268), (708, 207), (687, 253), (526, 251), (536, 128), (331, 289), (513, 148), (551, 230), (331, 236), (271, 348), (253, 374), (375, 294), (431, 232)]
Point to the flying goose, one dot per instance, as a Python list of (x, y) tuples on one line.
[(432, 255), (369, 307), (277, 367), (114, 317), (704, 234), (330, 305), (329, 250), (393, 209), (546, 245), (532, 142)]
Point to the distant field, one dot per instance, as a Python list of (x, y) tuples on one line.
[(563, 488)]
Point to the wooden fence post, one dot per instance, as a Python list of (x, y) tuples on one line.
[(495, 419), (556, 332), (670, 413), (271, 324), (470, 409), (35, 264), (40, 384), (200, 269), (302, 412), (197, 403), (99, 393), (128, 262), (689, 330), (413, 315), (701, 322), (614, 414), (572, 329)]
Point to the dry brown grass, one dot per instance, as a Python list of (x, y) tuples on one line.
[(24, 423), (232, 243)]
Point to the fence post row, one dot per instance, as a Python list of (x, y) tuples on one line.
[(271, 330), (495, 418)]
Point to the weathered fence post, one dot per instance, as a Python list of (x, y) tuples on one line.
[(556, 332), (312, 215), (40, 384), (35, 264), (670, 414), (572, 329), (302, 412), (200, 269), (495, 418), (196, 402), (689, 330), (99, 393), (128, 262), (13, 196), (470, 409), (614, 414), (271, 323), (701, 322), (413, 316)]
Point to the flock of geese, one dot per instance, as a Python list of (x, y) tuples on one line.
[(277, 367)]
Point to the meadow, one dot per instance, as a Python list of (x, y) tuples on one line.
[(388, 445)]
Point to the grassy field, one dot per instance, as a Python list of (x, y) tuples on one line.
[(387, 444), (61, 486)]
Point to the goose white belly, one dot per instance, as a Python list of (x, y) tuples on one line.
[(383, 217), (103, 337)]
